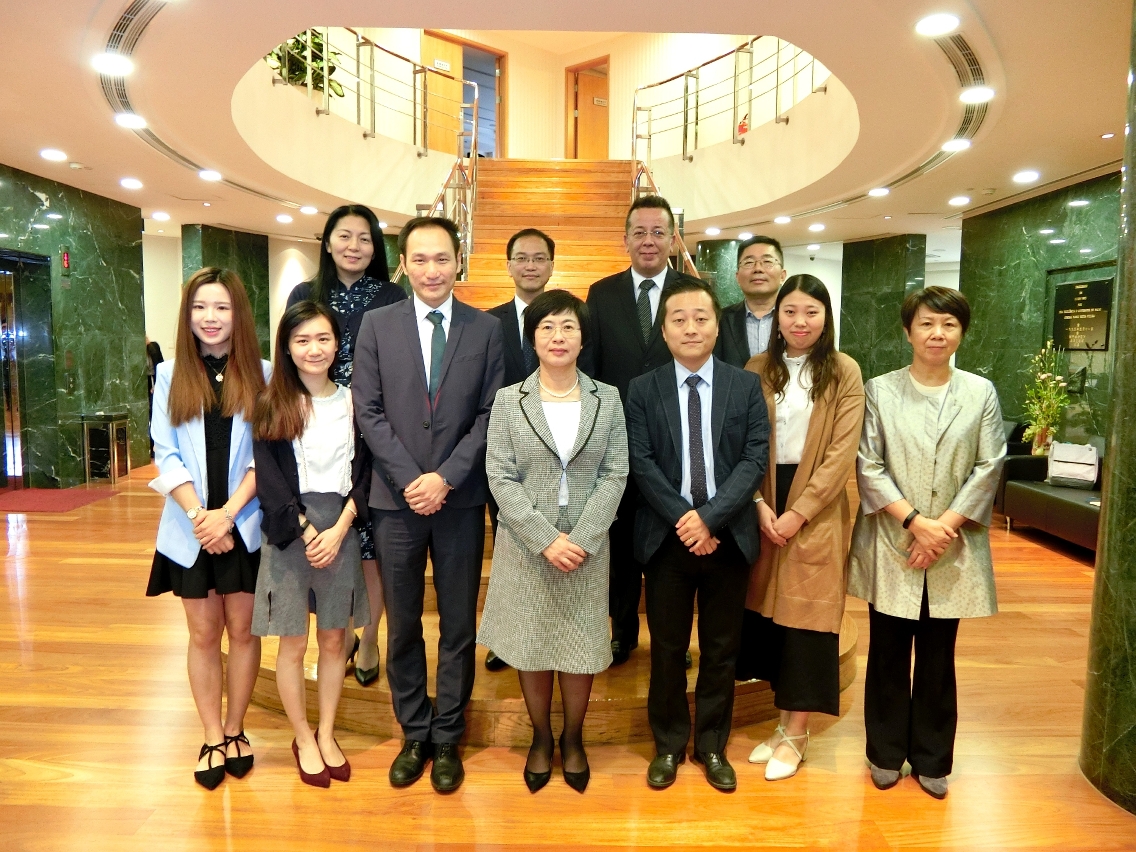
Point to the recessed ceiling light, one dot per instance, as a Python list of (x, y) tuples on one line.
[(130, 183), (1107, 135), (887, 217), (745, 235), (782, 220), (1079, 202), (112, 64), (934, 26), (160, 216), (160, 231), (283, 218), (713, 232), (1057, 241), (953, 145), (209, 174), (308, 210), (53, 154), (129, 120), (816, 226), (383, 225), (1027, 176), (959, 201), (813, 246), (206, 204), (1086, 251), (39, 226), (54, 215), (879, 192), (976, 95), (1046, 231)]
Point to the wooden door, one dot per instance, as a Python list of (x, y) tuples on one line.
[(443, 97), (591, 115)]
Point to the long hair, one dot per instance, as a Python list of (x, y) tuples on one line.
[(327, 274), (282, 411), (822, 357), (191, 393)]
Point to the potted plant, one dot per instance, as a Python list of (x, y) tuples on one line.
[(1046, 397), (289, 59)]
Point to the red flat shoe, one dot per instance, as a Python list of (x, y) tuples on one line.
[(320, 779)]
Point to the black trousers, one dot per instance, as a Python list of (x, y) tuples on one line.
[(905, 718), (625, 572), (675, 578), (455, 541)]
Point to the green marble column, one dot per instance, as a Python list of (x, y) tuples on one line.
[(877, 274), (1108, 739), (247, 254), (717, 261)]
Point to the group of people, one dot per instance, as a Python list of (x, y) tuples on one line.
[(642, 434)]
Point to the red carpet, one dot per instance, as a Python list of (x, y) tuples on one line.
[(51, 499)]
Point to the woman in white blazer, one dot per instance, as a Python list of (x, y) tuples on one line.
[(208, 548), (930, 456)]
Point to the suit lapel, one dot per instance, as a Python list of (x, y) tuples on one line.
[(453, 340), (719, 400), (533, 410), (626, 300), (667, 386), (513, 353), (414, 343), (950, 411), (589, 410)]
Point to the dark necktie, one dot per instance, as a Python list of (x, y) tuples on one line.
[(643, 308), (437, 351), (529, 354), (697, 455)]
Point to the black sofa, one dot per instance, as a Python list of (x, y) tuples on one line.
[(1025, 497)]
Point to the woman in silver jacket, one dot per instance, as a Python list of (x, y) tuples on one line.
[(557, 465), (928, 465)]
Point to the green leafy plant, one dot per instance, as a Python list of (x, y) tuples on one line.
[(1046, 396), (290, 61)]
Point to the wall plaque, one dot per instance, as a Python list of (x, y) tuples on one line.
[(1081, 314)]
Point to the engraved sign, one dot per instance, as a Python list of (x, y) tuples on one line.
[(441, 65), (1081, 314), (599, 101)]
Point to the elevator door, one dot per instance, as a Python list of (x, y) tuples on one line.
[(9, 379)]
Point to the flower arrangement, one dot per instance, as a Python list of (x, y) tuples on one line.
[(1046, 397)]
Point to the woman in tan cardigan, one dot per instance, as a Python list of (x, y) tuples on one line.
[(796, 591)]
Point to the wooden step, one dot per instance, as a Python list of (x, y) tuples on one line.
[(486, 243), (538, 219), (551, 206), (512, 166)]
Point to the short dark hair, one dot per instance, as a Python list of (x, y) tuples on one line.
[(430, 222), (531, 232), (760, 239), (649, 202), (550, 303), (941, 300), (686, 284)]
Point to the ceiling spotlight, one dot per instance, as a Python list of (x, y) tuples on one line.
[(879, 192), (977, 95), (959, 201), (934, 26), (1079, 202), (1057, 241), (130, 183), (54, 215), (813, 246), (1046, 231), (308, 210), (283, 218), (53, 154), (1028, 176), (713, 232), (209, 174), (745, 235), (160, 216), (1107, 135), (952, 145), (383, 225), (112, 64), (816, 227), (129, 120), (782, 220)]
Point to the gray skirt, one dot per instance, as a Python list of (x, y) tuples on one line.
[(286, 579)]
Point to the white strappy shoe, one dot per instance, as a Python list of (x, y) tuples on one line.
[(777, 770), (764, 751)]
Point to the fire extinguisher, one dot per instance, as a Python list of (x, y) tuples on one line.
[(743, 125)]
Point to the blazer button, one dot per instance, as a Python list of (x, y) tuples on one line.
[(425, 424)]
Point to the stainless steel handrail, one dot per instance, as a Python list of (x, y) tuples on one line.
[(642, 170)]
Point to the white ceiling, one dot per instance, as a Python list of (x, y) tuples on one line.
[(1059, 69)]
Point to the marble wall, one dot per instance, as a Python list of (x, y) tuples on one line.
[(1012, 259), (247, 254), (84, 349), (875, 277)]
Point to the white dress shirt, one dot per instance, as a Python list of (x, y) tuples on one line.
[(794, 409), (706, 394), (654, 294), (426, 328), (520, 306)]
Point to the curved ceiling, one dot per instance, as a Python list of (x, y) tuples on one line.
[(1059, 70)]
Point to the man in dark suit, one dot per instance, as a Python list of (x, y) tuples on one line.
[(625, 342), (747, 326), (698, 435), (426, 372), (531, 255)]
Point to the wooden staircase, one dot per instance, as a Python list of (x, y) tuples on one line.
[(581, 204)]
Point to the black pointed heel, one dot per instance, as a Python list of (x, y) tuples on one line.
[(536, 780), (214, 775), (578, 781), (240, 765)]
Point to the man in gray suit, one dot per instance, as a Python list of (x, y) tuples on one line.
[(747, 326), (698, 436), (426, 372)]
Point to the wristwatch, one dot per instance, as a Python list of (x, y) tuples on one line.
[(194, 512), (446, 483)]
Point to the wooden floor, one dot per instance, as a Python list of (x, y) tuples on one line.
[(98, 735)]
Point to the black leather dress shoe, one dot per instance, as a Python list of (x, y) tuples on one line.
[(620, 652), (410, 763), (718, 770), (664, 769), (448, 773), (495, 663)]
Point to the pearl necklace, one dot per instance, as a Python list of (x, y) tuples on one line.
[(568, 392)]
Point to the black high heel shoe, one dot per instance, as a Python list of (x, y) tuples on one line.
[(536, 780), (354, 650), (578, 781), (214, 775), (240, 765)]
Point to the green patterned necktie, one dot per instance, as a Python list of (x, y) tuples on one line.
[(437, 351)]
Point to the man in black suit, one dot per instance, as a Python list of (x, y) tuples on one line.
[(426, 372), (698, 436), (531, 255), (625, 342), (747, 326)]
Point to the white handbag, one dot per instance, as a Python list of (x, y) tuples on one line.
[(1073, 465)]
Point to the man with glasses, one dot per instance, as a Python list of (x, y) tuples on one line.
[(530, 256), (626, 342), (747, 326)]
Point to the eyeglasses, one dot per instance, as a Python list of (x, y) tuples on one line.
[(526, 259), (567, 329), (767, 263), (639, 234)]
